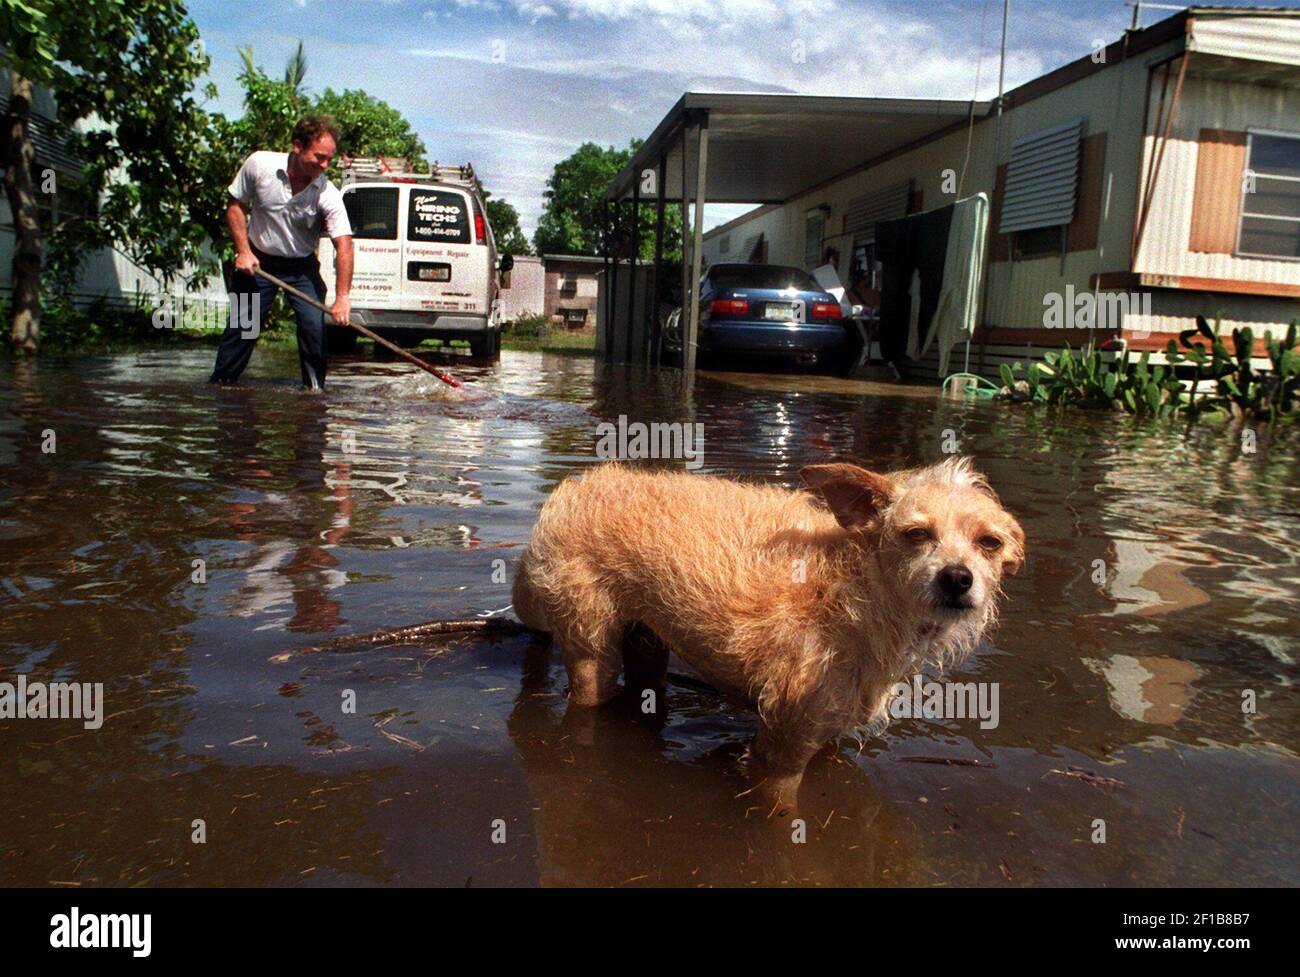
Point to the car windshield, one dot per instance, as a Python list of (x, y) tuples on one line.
[(761, 276)]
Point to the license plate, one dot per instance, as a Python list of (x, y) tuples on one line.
[(780, 311), (428, 271)]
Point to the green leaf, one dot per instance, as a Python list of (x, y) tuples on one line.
[(1152, 395)]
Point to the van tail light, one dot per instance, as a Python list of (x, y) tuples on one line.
[(825, 311), (726, 307), (480, 229)]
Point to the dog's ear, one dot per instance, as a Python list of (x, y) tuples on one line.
[(1015, 557), (854, 494)]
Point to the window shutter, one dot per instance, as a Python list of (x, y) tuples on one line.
[(1082, 233), (1216, 202), (1042, 179), (886, 204)]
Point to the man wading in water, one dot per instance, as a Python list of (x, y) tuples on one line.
[(291, 203)]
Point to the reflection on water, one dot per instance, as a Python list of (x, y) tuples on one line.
[(180, 538)]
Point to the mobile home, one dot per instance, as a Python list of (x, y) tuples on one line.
[(1152, 180)]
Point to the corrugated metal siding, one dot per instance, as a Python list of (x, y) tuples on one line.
[(1209, 104), (1042, 179), (1275, 39), (1172, 311), (49, 139)]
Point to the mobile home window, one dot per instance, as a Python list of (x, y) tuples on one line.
[(1270, 197), (1040, 242), (372, 212), (814, 231)]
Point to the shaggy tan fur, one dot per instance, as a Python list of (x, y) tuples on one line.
[(808, 612)]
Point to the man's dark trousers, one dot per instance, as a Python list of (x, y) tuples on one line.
[(239, 338)]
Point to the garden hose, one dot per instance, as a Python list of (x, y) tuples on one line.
[(981, 387)]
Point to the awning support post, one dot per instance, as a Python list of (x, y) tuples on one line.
[(604, 253), (652, 330), (616, 231), (685, 241), (697, 250), (634, 252)]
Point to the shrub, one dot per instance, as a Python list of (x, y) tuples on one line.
[(1087, 380)]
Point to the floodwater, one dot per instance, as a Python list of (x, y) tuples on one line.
[(1146, 662)]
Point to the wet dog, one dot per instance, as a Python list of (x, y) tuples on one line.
[(808, 610)]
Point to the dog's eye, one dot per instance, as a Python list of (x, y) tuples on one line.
[(989, 543), (918, 534)]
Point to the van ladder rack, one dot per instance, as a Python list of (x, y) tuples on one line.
[(388, 169)]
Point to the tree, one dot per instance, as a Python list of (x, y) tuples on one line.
[(505, 222), (133, 68), (295, 70), (571, 219), (155, 160), (370, 127), (505, 225)]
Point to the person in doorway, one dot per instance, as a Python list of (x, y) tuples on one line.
[(279, 205)]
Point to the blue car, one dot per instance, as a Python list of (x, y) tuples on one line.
[(769, 311)]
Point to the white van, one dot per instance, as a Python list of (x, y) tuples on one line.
[(426, 264)]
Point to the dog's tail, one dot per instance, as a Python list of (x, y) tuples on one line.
[(527, 600)]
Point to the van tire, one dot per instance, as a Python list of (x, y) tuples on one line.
[(489, 347)]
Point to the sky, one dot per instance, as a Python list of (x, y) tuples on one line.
[(514, 86)]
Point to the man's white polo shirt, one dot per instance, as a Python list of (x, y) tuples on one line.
[(281, 223)]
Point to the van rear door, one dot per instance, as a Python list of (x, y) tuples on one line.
[(375, 213), (444, 269)]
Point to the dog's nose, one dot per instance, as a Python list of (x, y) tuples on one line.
[(954, 580)]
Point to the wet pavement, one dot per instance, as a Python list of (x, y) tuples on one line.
[(1160, 700)]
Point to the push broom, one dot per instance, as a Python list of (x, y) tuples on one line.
[(411, 357)]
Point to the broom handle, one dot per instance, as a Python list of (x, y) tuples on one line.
[(444, 377)]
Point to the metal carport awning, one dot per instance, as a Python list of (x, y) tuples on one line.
[(759, 149), (767, 148)]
